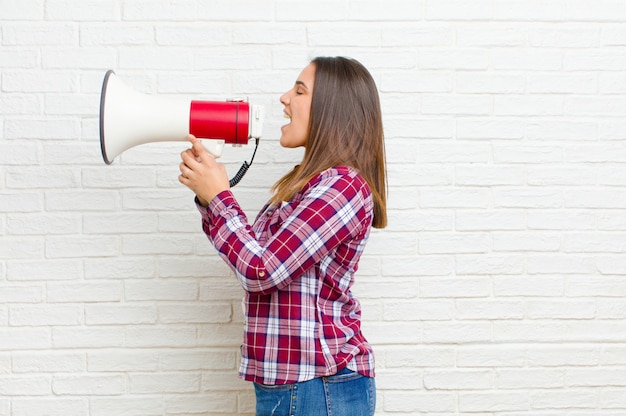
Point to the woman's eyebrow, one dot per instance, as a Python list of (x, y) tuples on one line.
[(302, 83)]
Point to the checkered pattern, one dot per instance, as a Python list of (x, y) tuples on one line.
[(297, 264)]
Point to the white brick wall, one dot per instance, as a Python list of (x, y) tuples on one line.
[(499, 287)]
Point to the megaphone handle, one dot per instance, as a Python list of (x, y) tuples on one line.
[(214, 147)]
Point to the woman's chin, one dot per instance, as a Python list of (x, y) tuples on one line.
[(290, 141), (285, 142)]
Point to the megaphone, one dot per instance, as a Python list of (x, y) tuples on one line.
[(129, 118)]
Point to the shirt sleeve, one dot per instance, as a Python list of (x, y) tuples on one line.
[(331, 211)]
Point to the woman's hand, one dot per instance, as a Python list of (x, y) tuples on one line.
[(200, 172)]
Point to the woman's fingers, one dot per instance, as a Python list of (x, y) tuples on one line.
[(200, 171)]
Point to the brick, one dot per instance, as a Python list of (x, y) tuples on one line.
[(438, 287), (86, 11), (113, 360), (544, 309), (114, 33), (489, 309), (453, 197), (458, 10), (205, 313), (45, 315), (566, 36), (217, 401), (51, 34), (529, 286), (126, 267), (457, 243), (471, 105), (515, 241), (564, 355), (427, 82), (12, 339), (79, 246), (528, 59), (20, 248), (390, 11), (159, 336), (355, 35), (89, 385), (119, 314), (142, 10), (165, 382), (453, 332), (89, 58), (46, 178), (404, 34), (412, 402), (584, 83), (489, 175), (208, 359), (308, 10), (530, 10), (418, 356), (560, 399), (605, 287), (500, 356), (57, 129), (458, 380), (491, 220), (479, 35), (567, 264), (528, 105), (50, 407), (612, 34), (21, 58), (558, 220), (414, 311), (493, 401), (21, 294), (131, 223), (399, 380), (35, 81), (505, 264), (12, 104), (48, 362), (22, 10), (412, 266), (126, 405), (19, 154), (44, 270), (528, 198)]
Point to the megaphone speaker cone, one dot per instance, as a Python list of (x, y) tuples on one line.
[(103, 95), (129, 118)]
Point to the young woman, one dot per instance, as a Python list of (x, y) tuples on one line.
[(303, 347)]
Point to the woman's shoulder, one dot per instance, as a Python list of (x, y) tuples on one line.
[(339, 177)]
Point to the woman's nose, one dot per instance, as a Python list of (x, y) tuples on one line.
[(284, 99)]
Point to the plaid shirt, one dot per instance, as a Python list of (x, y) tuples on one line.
[(296, 265)]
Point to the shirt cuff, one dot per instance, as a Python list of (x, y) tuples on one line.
[(213, 212)]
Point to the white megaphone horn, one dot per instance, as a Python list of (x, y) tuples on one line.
[(129, 118)]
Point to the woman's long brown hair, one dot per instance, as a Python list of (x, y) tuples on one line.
[(346, 129)]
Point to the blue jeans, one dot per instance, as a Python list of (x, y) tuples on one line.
[(345, 394)]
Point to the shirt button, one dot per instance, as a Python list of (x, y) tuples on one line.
[(261, 274)]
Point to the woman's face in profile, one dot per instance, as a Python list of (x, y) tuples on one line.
[(297, 102)]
